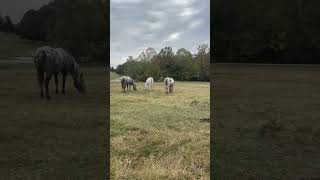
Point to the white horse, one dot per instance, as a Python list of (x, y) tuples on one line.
[(168, 84), (149, 84)]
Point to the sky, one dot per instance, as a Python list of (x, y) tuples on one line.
[(16, 8), (139, 24)]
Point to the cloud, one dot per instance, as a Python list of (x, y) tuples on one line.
[(151, 26), (196, 23), (139, 24), (189, 12), (173, 36), (182, 3), (126, 1), (157, 14)]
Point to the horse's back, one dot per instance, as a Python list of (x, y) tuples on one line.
[(56, 60), (65, 60), (44, 63)]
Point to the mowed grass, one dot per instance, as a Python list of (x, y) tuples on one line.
[(266, 121), (11, 45), (159, 136), (56, 139)]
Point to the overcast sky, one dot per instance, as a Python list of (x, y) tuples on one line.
[(139, 24), (16, 8)]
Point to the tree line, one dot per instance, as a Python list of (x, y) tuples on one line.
[(77, 26), (6, 24), (266, 31), (182, 65)]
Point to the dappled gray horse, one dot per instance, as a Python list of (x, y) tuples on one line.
[(52, 61), (127, 82), (168, 85)]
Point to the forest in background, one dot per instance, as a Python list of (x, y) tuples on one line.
[(266, 31), (182, 65), (79, 26)]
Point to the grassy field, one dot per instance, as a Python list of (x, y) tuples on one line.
[(114, 76), (56, 139), (266, 121), (159, 136), (12, 45)]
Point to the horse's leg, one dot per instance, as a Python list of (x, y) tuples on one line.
[(40, 75), (47, 85), (64, 75), (56, 82)]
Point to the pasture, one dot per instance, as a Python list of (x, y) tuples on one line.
[(11, 45), (266, 121), (159, 136), (63, 138)]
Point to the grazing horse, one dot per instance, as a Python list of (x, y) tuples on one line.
[(168, 85), (52, 61), (127, 82), (149, 84)]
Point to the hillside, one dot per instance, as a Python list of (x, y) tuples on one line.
[(11, 46), (114, 76)]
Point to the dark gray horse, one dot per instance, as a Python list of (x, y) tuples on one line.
[(52, 61), (127, 82)]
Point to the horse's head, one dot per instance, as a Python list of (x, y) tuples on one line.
[(134, 86), (80, 85)]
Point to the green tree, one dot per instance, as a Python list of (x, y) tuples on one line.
[(203, 59), (185, 65), (1, 22), (165, 59), (8, 25), (77, 26)]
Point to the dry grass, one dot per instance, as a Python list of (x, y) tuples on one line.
[(159, 136), (266, 121), (58, 139)]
